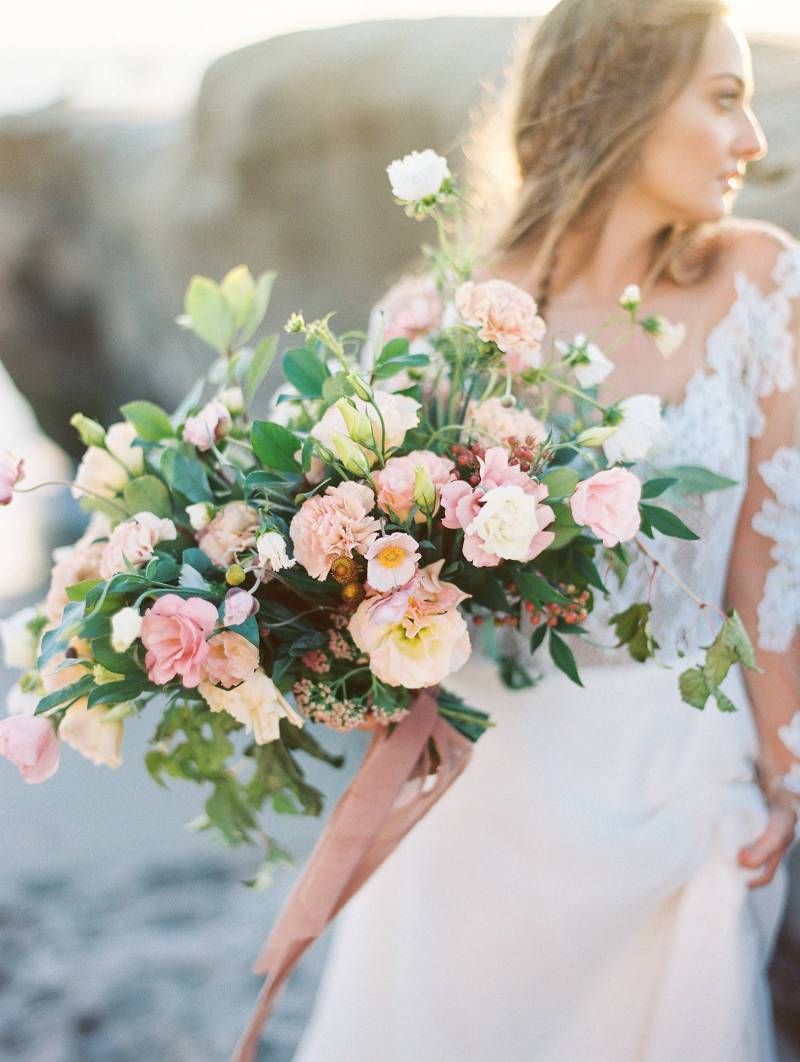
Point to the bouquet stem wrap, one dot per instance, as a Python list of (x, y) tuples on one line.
[(399, 781)]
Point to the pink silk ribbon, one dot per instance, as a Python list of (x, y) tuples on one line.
[(398, 782)]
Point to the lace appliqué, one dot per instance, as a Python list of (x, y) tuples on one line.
[(779, 519)]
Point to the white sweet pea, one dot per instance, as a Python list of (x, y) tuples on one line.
[(126, 626), (271, 548), (19, 645), (199, 515), (418, 175), (641, 426), (590, 363), (631, 298), (668, 336), (507, 522), (20, 701)]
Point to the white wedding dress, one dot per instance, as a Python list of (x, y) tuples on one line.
[(576, 897)]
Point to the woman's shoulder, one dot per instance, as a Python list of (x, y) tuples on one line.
[(757, 248)]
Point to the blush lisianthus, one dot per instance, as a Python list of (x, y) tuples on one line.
[(174, 633), (506, 316), (257, 703), (396, 482), (232, 531), (30, 743), (608, 504), (333, 525), (135, 541), (231, 659), (92, 733)]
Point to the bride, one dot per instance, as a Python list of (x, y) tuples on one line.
[(605, 881)]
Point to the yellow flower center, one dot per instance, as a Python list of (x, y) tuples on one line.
[(391, 556)]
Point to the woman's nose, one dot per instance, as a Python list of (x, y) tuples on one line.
[(752, 142)]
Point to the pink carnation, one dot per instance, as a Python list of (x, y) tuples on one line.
[(333, 525), (76, 563), (493, 421), (30, 742), (231, 659), (506, 316), (174, 632), (208, 426), (135, 541), (608, 504), (395, 482), (232, 531), (412, 308), (12, 470)]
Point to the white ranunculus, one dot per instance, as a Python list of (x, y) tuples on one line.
[(271, 548), (19, 645), (631, 297), (199, 515), (126, 626), (21, 702), (506, 522), (417, 175), (669, 336), (641, 426)]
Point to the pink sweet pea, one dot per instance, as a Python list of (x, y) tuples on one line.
[(12, 470), (175, 632), (608, 504), (208, 426), (30, 742), (239, 606)]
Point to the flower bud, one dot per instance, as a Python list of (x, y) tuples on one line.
[(344, 570), (631, 298), (358, 424), (424, 490), (351, 455), (126, 626), (91, 433), (102, 676), (360, 386), (295, 323), (233, 399), (200, 514), (235, 575), (596, 435), (352, 593)]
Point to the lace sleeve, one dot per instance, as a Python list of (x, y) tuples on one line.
[(764, 574)]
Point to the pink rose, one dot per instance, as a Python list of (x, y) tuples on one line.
[(233, 530), (30, 742), (239, 606), (174, 632), (12, 470), (412, 308), (208, 426), (333, 525), (231, 659), (506, 316), (135, 541), (395, 482), (498, 471), (608, 504)]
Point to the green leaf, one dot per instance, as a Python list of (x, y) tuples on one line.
[(485, 589), (147, 494), (395, 348), (253, 369), (693, 479), (66, 695), (301, 738), (275, 446), (305, 372), (78, 591), (588, 569), (563, 657), (149, 420), (513, 674), (537, 590), (338, 386), (127, 689), (654, 487), (120, 663), (632, 627), (667, 523), (213, 320), (186, 476), (538, 636), (238, 287), (725, 704), (260, 304), (694, 688), (393, 366), (561, 482), (201, 562)]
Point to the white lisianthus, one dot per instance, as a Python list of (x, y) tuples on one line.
[(233, 399), (199, 515), (418, 175), (507, 522), (19, 644), (20, 701), (631, 298), (257, 703), (271, 548), (106, 470), (590, 363), (126, 626), (640, 427), (667, 336)]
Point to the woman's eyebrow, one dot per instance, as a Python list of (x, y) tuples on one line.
[(716, 77)]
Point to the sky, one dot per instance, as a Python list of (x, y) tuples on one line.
[(149, 55)]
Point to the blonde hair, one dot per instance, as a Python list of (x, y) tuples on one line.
[(566, 133)]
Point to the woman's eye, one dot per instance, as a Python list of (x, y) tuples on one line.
[(728, 99)]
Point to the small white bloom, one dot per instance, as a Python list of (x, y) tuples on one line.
[(418, 175), (271, 548), (631, 298), (126, 626), (590, 363), (19, 645), (507, 521), (640, 427), (233, 399), (668, 336), (21, 702), (199, 515), (392, 561), (119, 443)]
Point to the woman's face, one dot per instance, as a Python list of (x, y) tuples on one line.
[(693, 161)]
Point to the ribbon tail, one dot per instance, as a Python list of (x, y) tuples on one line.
[(391, 791)]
